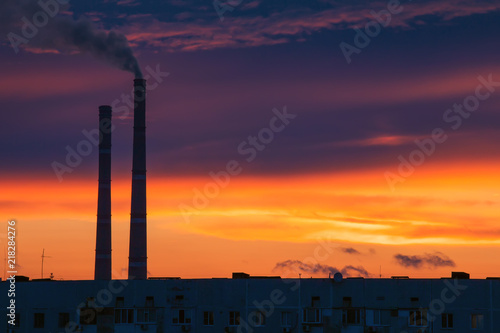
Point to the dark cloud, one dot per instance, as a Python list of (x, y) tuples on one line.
[(244, 27), (436, 259), (439, 260), (409, 261), (347, 271), (349, 250), (298, 266), (193, 128)]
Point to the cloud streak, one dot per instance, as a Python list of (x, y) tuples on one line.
[(349, 250), (283, 27), (434, 260), (319, 269)]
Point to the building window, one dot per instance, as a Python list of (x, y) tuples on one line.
[(477, 321), (418, 318), (351, 316), (63, 319), (208, 318), (88, 316), (347, 302), (124, 316), (286, 319), (446, 320), (312, 315), (120, 302), (257, 319), (181, 316), (39, 320), (234, 318), (381, 317), (315, 301), (146, 315), (150, 302)]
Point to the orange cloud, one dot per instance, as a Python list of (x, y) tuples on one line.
[(436, 208)]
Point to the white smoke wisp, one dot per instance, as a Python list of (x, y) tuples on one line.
[(38, 24)]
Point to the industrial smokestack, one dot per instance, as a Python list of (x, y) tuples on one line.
[(103, 235), (137, 260)]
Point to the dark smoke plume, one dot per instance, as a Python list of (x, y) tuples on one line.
[(349, 250), (64, 34), (298, 266), (433, 260), (110, 46)]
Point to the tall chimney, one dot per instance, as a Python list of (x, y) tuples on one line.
[(103, 234), (137, 260)]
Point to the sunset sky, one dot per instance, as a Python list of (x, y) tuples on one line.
[(375, 171)]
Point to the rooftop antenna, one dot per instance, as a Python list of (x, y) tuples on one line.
[(43, 257), (380, 276)]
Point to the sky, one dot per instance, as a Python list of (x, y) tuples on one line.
[(284, 137)]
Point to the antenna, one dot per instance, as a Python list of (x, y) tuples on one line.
[(380, 276), (44, 256)]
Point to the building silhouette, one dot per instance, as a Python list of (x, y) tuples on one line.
[(259, 304), (243, 303)]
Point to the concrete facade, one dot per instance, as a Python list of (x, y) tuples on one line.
[(257, 305)]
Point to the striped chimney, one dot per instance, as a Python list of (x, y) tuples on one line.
[(137, 260), (103, 234)]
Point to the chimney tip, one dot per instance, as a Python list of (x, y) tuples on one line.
[(104, 109), (139, 82)]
